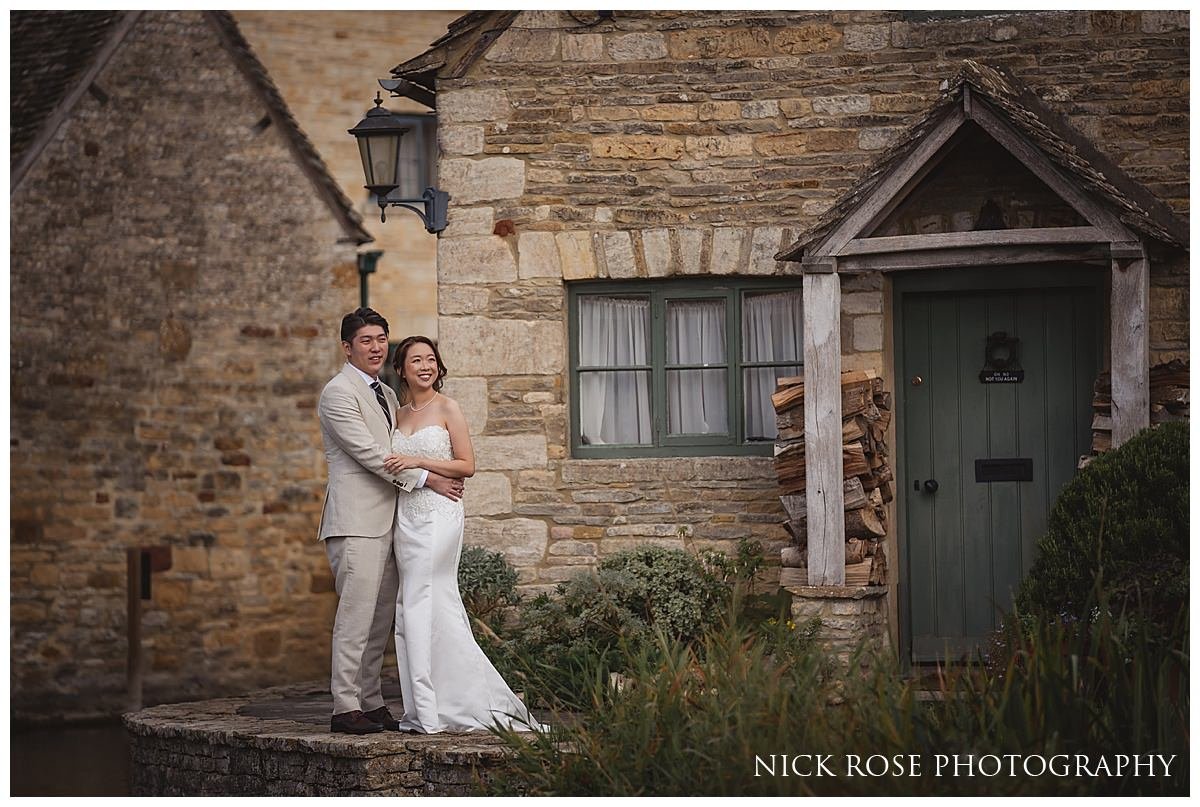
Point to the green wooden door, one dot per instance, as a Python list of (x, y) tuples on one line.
[(969, 542)]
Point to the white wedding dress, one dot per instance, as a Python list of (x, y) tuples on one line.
[(447, 682)]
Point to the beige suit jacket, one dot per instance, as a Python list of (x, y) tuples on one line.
[(361, 496)]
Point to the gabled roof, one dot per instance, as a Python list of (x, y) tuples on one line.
[(52, 54), (464, 43), (56, 56), (1040, 126)]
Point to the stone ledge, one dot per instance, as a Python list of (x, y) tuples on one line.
[(277, 742), (837, 592)]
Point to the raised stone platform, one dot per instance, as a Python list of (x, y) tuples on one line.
[(276, 742)]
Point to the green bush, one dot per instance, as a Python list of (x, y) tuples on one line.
[(487, 585), (1122, 524), (599, 619)]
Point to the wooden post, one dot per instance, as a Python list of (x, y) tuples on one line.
[(133, 601), (823, 427), (1130, 342)]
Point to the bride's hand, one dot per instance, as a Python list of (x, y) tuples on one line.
[(395, 463)]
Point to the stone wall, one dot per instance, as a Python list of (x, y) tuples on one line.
[(671, 144), (176, 287), (325, 64)]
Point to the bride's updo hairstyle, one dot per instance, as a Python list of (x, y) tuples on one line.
[(402, 353)]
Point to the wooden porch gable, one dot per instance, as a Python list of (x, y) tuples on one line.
[(1118, 215)]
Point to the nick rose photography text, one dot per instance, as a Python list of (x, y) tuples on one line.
[(985, 765)]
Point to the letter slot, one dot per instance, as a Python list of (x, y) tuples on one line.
[(1016, 469)]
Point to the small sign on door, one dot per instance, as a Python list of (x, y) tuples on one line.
[(1000, 364)]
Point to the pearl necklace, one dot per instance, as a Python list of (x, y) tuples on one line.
[(427, 403)]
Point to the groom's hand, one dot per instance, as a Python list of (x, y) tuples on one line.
[(452, 489)]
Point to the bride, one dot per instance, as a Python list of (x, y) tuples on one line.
[(447, 682)]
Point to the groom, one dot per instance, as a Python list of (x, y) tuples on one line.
[(357, 413)]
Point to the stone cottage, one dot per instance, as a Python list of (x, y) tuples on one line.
[(180, 259), (656, 214)]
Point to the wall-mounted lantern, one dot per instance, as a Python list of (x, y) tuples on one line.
[(397, 158)]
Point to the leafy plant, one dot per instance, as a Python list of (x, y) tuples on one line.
[(1123, 519)]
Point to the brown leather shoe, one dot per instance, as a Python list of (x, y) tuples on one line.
[(383, 717), (353, 723)]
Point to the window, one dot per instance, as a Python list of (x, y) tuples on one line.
[(680, 367)]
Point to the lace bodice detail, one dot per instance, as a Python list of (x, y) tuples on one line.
[(429, 441)]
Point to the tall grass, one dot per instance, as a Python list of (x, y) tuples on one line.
[(693, 719)]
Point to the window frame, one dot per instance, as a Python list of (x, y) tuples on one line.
[(734, 291)]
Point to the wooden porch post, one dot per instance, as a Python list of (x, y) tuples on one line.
[(1130, 341), (823, 427)]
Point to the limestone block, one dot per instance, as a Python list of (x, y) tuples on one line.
[(475, 259), (510, 452), (637, 47), (877, 138), (483, 347), (760, 109), (468, 106), (691, 243), (472, 397), (805, 39), (656, 252), (543, 19), (469, 221), (719, 110), (538, 255), (868, 332), (618, 255), (637, 147), (228, 564), (470, 181), (789, 145), (866, 37), (719, 146), (841, 104), (1159, 22), (522, 540), (582, 47), (523, 45), (862, 303), (669, 112), (727, 250), (462, 299), (458, 140), (488, 494), (726, 43), (766, 243), (575, 255), (795, 107)]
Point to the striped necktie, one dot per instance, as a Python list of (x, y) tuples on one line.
[(378, 390)]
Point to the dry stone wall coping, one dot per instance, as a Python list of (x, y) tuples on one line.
[(277, 742)]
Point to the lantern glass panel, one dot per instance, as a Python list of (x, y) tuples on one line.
[(418, 157), (378, 152)]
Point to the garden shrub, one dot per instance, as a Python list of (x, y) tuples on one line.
[(1121, 525), (488, 586), (603, 616)]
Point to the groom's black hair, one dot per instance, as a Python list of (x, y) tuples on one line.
[(359, 318)]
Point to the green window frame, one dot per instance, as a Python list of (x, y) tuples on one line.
[(733, 292)]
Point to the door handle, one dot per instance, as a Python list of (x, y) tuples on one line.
[(931, 486)]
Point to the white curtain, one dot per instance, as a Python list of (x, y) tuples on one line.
[(697, 402), (772, 330), (614, 406)]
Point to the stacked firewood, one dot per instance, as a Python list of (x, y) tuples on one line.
[(866, 413), (1168, 401)]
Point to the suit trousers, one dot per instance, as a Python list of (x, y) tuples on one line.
[(364, 573)]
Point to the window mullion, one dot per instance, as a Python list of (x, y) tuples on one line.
[(733, 355), (658, 361)]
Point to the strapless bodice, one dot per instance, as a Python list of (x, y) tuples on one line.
[(431, 441)]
